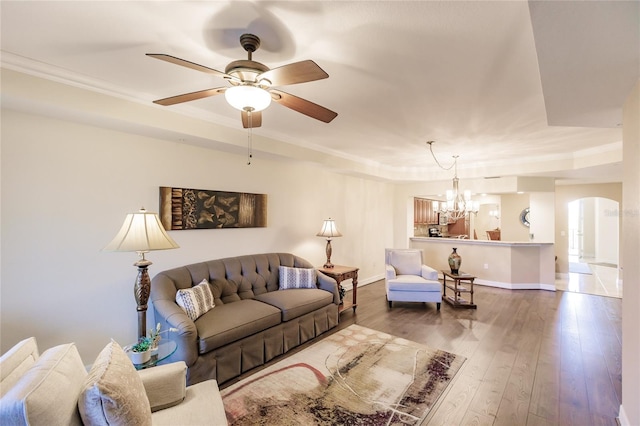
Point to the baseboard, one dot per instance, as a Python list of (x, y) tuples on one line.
[(348, 285), (516, 286), (622, 417)]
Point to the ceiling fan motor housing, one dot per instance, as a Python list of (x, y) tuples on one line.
[(246, 71)]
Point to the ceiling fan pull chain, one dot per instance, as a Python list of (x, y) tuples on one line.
[(249, 138)]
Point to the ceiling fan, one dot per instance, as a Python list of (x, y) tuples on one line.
[(253, 85)]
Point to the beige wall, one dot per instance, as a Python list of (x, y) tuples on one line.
[(67, 187), (511, 206), (564, 195), (630, 409)]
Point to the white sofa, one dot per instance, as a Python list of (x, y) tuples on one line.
[(55, 389), (408, 279)]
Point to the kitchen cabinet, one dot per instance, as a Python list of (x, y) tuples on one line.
[(423, 213)]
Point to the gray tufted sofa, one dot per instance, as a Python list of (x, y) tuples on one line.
[(252, 321)]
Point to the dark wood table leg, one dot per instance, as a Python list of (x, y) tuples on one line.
[(355, 291)]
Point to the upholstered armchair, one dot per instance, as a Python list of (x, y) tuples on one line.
[(54, 388), (408, 279)]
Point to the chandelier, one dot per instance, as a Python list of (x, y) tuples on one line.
[(458, 204)]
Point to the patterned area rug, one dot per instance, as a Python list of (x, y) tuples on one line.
[(356, 376)]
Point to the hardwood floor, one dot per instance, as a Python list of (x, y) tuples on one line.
[(533, 357)]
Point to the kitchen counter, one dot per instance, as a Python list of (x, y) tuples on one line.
[(515, 265)]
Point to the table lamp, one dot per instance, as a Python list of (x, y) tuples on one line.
[(329, 231), (142, 232)]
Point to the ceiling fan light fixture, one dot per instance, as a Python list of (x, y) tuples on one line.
[(247, 98)]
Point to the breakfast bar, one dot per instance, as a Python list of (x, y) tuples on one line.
[(506, 264)]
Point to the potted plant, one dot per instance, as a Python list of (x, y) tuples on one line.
[(140, 352)]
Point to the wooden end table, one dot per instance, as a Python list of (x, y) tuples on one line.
[(457, 301), (341, 273)]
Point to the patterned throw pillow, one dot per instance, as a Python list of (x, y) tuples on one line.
[(113, 392), (196, 301), (297, 278)]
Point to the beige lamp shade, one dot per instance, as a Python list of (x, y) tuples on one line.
[(141, 232), (329, 229)]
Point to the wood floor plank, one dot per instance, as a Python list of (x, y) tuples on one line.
[(472, 418), (534, 420), (601, 393), (514, 408), (491, 391), (454, 406), (546, 386)]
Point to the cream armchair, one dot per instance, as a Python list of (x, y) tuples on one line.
[(408, 279), (55, 389)]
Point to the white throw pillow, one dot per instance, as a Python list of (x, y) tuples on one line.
[(196, 301), (47, 393), (113, 392), (297, 278), (15, 362)]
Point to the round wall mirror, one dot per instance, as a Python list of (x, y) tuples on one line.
[(524, 217)]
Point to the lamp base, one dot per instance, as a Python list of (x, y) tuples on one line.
[(328, 264), (141, 292)]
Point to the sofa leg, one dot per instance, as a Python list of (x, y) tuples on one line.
[(389, 303), (438, 305)]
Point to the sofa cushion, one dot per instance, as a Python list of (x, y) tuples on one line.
[(15, 362), (413, 283), (196, 301), (47, 393), (113, 393), (297, 302), (406, 262), (234, 321), (297, 277)]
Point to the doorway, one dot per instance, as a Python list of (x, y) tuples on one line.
[(594, 233)]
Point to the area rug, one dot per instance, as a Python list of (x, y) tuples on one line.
[(579, 268), (356, 376)]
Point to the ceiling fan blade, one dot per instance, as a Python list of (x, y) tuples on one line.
[(256, 119), (298, 72), (188, 64), (190, 96), (303, 106)]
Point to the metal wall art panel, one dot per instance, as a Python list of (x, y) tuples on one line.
[(184, 208)]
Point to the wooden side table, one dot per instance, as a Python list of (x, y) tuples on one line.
[(457, 301), (341, 273)]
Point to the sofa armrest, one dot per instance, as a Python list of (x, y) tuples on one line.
[(166, 385), (170, 315), (428, 273), (327, 283), (202, 406), (389, 272)]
